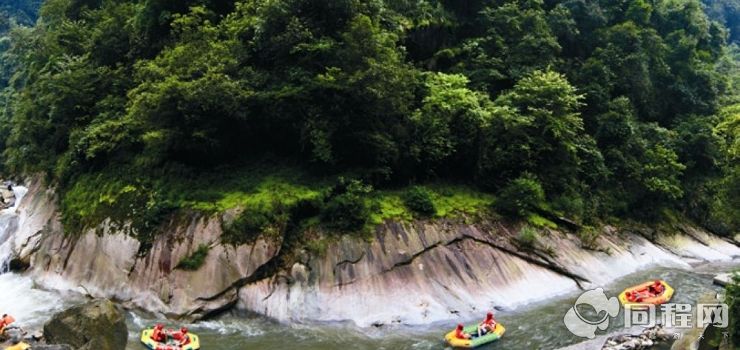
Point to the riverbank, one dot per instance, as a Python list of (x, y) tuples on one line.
[(408, 273)]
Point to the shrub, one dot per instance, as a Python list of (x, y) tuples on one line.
[(345, 212), (589, 235), (318, 247), (540, 222), (521, 197), (419, 200), (733, 299), (571, 205), (346, 209), (527, 238), (195, 260), (254, 221)]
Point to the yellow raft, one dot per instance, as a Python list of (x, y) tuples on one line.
[(146, 339), (19, 346), (641, 289), (497, 333)]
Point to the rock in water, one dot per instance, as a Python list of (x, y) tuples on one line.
[(646, 340), (723, 279), (97, 325)]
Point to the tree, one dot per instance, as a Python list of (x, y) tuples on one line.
[(536, 128), (726, 205), (447, 127)]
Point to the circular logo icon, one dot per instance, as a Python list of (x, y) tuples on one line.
[(586, 327)]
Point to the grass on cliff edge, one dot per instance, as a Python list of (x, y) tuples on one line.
[(147, 201)]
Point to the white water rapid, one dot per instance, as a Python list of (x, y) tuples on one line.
[(30, 306)]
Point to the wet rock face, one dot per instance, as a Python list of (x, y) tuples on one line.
[(97, 325), (410, 273), (119, 270), (437, 271)]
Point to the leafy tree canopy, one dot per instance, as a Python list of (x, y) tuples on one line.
[(605, 107)]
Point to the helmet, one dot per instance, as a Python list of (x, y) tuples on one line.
[(460, 326), (159, 326), (489, 315), (184, 330)]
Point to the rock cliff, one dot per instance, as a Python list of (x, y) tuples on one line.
[(411, 273)]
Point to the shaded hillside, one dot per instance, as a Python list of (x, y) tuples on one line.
[(587, 109)]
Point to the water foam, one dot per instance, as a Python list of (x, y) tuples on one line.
[(30, 307)]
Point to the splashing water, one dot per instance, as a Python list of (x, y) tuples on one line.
[(8, 227), (30, 307), (537, 326)]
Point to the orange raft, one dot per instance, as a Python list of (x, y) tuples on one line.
[(655, 293)]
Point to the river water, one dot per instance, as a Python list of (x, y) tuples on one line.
[(536, 326)]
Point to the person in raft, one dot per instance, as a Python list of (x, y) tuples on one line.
[(158, 334), (5, 322), (182, 336), (656, 289), (488, 325), (460, 334)]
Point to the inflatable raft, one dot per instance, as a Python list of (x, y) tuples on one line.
[(646, 294), (19, 346), (476, 341), (170, 344)]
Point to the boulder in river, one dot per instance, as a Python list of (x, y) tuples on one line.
[(646, 340), (723, 279), (97, 325)]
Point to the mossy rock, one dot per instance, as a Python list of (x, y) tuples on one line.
[(97, 325)]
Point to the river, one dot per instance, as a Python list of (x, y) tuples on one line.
[(538, 326)]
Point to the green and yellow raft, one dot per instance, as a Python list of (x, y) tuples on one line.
[(477, 341), (146, 339)]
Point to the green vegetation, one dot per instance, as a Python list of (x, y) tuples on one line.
[(346, 208), (726, 12), (448, 201), (527, 238), (589, 236), (196, 259), (522, 197), (295, 113), (733, 299), (18, 12), (419, 200)]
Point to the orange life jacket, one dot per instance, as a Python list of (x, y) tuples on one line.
[(6, 321), (459, 334), (157, 335)]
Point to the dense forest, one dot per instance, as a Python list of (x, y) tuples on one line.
[(18, 12), (589, 109), (726, 12)]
